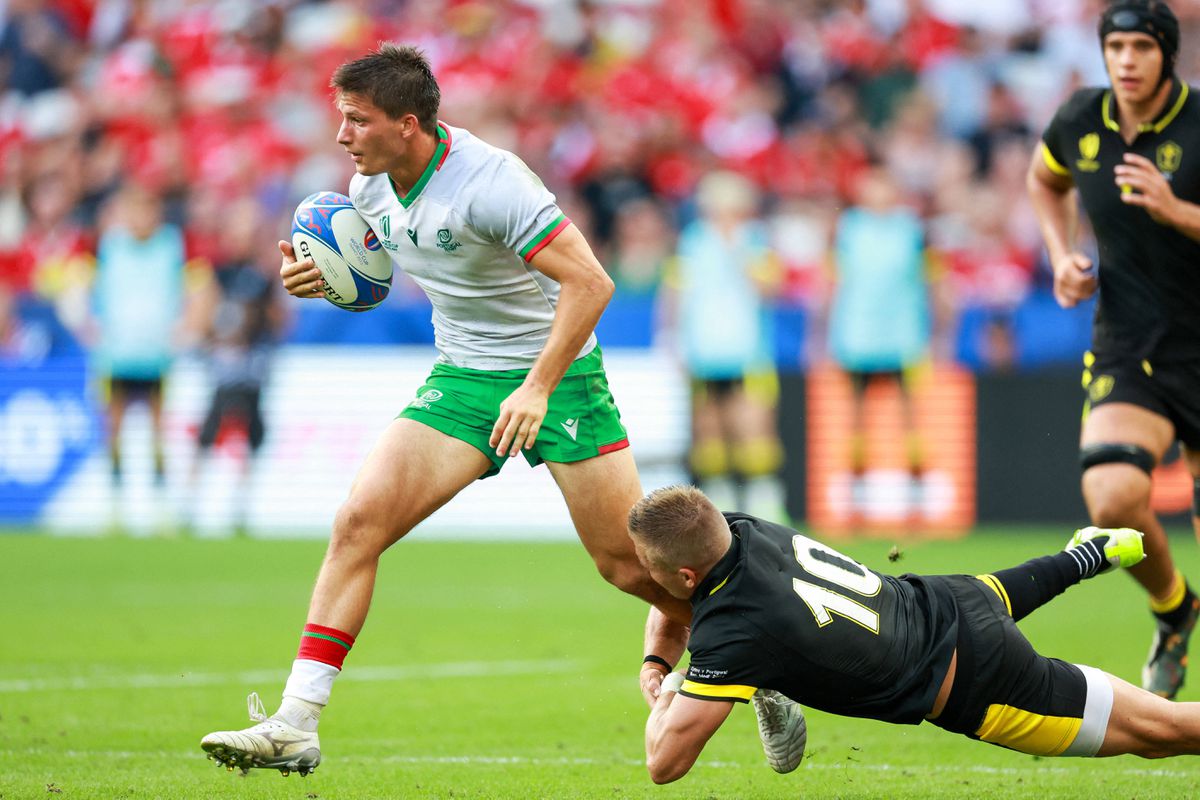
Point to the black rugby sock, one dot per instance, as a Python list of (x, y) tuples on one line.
[(1038, 581)]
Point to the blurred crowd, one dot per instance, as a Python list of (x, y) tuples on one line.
[(220, 107)]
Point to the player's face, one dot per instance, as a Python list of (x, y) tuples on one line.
[(671, 580), (1134, 64), (371, 137)]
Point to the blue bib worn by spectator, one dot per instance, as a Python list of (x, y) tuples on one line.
[(139, 298), (880, 319)]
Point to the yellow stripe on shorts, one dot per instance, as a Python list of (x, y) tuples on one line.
[(996, 586), (1027, 732), (726, 692)]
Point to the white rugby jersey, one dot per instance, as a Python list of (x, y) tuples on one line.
[(465, 233)]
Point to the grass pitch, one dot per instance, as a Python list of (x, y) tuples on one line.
[(485, 670)]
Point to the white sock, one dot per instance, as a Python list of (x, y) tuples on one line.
[(765, 497), (299, 713), (308, 688), (721, 491)]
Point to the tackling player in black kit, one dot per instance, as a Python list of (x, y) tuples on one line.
[(774, 611), (1132, 154)]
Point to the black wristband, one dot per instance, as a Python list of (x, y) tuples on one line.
[(657, 660)]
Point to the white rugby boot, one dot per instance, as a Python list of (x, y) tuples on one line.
[(271, 744), (782, 729)]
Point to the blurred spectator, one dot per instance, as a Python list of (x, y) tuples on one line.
[(21, 342), (37, 50), (240, 320), (959, 84), (138, 303), (990, 272), (55, 249), (881, 319), (620, 106), (643, 243), (724, 275), (912, 149)]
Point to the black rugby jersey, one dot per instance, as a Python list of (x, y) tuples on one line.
[(782, 611), (1149, 305)]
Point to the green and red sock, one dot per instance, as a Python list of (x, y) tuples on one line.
[(326, 645)]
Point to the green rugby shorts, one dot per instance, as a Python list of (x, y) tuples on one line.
[(582, 420)]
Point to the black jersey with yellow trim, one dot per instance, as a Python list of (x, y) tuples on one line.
[(1148, 272), (785, 612)]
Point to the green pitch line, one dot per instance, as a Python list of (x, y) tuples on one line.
[(105, 634)]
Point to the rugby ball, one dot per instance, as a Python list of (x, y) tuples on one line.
[(356, 270)]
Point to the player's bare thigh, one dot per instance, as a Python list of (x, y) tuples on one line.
[(706, 418), (410, 473), (599, 493), (1117, 490), (1148, 725), (748, 417), (1126, 423)]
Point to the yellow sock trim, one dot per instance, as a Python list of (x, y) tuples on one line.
[(763, 386), (1178, 590), (710, 458), (757, 457)]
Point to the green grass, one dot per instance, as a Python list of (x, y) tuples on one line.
[(485, 670)]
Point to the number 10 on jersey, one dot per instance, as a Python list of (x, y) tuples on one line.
[(830, 565)]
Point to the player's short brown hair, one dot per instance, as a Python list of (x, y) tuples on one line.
[(678, 526), (395, 78)]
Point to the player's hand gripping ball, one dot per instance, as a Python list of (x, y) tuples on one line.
[(357, 271)]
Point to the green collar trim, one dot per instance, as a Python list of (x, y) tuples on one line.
[(435, 163)]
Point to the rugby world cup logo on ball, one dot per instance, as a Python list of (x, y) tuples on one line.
[(356, 270)]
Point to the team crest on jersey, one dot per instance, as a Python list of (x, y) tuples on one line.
[(1100, 387), (385, 227), (1089, 148), (446, 240), (1168, 157)]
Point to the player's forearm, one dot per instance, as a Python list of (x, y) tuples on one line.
[(581, 301), (664, 637), (1057, 216), (666, 761)]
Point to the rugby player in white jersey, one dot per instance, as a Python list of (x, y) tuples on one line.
[(516, 294)]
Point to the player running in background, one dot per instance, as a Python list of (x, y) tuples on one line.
[(774, 611), (516, 294), (1132, 154)]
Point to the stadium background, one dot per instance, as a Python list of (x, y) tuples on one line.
[(492, 670), (213, 103)]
